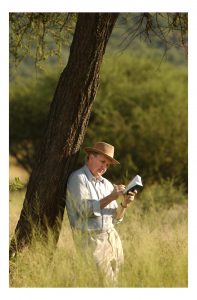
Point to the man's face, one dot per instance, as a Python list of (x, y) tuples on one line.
[(98, 164)]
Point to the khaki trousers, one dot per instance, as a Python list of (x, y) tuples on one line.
[(106, 248)]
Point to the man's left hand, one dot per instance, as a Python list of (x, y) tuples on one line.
[(128, 198)]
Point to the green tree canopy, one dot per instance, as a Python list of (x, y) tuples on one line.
[(141, 108)]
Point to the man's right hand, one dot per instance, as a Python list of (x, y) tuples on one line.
[(118, 190)]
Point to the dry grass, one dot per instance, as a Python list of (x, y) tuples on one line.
[(16, 171), (154, 242)]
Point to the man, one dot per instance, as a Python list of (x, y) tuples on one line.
[(92, 208)]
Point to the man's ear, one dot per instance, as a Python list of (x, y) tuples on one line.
[(90, 156)]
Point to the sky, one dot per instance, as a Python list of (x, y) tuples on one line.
[(189, 6)]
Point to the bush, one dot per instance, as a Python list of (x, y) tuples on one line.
[(141, 108), (163, 195), (29, 105)]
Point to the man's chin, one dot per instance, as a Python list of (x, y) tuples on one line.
[(100, 174)]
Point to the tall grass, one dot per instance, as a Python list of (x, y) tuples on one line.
[(154, 239)]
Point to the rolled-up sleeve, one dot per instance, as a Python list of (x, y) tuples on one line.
[(96, 208), (78, 198)]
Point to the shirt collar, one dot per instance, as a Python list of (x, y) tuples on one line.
[(90, 176)]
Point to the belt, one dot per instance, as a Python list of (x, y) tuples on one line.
[(93, 231), (101, 231)]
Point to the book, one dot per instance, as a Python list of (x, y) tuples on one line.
[(134, 184)]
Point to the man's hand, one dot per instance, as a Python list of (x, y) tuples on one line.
[(118, 190), (128, 198)]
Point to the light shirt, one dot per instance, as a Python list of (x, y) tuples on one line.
[(84, 192)]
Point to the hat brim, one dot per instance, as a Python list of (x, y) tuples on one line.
[(90, 149)]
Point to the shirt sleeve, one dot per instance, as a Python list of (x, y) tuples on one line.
[(78, 198), (116, 221)]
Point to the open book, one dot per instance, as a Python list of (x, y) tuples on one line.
[(134, 184)]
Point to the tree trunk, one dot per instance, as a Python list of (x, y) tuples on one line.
[(70, 109)]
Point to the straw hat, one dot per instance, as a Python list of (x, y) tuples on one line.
[(103, 148)]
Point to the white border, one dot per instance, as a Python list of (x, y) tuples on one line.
[(101, 6)]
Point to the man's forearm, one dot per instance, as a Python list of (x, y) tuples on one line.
[(120, 212), (105, 201)]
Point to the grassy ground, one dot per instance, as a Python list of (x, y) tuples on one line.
[(154, 240), (16, 171)]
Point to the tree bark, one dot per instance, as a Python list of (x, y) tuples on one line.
[(70, 109)]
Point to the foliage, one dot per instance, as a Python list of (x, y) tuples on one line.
[(16, 184), (130, 162), (141, 108), (141, 105), (159, 196), (163, 26), (44, 35), (39, 35), (29, 105)]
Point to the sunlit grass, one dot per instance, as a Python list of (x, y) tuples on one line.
[(155, 248), (154, 242)]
